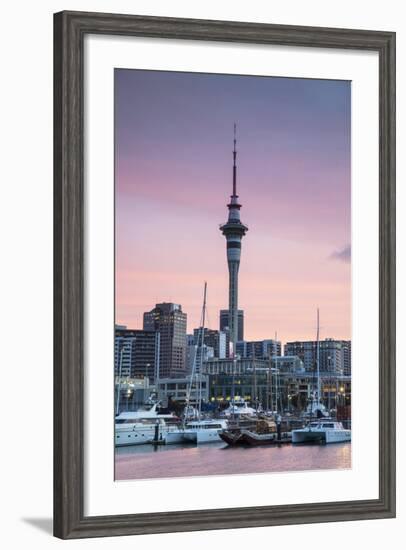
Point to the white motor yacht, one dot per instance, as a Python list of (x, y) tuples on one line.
[(322, 431), (143, 426), (237, 408)]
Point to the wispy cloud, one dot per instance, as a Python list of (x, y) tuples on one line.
[(344, 255)]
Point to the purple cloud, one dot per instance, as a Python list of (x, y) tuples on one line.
[(344, 255)]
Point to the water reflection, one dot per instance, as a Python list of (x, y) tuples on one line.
[(166, 461)]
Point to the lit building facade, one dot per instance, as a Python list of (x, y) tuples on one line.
[(177, 389), (136, 353)]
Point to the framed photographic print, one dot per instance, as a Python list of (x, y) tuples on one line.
[(224, 274)]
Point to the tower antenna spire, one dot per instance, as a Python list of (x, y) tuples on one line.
[(234, 162)]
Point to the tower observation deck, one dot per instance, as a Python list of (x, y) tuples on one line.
[(233, 230)]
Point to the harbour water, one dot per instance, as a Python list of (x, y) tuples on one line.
[(167, 461)]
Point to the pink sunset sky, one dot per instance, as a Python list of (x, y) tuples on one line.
[(173, 140)]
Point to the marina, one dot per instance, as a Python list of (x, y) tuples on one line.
[(237, 425)]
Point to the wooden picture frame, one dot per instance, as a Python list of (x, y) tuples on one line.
[(70, 29)]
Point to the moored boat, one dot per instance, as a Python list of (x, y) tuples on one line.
[(322, 431), (143, 426), (238, 407), (262, 432)]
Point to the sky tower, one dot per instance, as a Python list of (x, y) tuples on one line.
[(233, 230)]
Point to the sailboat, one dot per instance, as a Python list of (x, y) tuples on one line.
[(198, 430), (322, 429), (315, 407)]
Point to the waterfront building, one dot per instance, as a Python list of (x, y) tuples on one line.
[(215, 339), (224, 324), (233, 230), (260, 349), (229, 365), (296, 390), (335, 355), (277, 390), (256, 390), (288, 364), (136, 353), (176, 389), (170, 321), (282, 380)]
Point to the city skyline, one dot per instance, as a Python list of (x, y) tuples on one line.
[(174, 178)]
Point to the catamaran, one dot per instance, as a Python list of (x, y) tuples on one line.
[(322, 431)]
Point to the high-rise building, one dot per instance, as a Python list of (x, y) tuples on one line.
[(224, 325), (335, 355), (136, 353), (124, 356), (169, 320), (215, 339), (260, 349), (233, 230), (190, 340), (347, 356), (195, 357)]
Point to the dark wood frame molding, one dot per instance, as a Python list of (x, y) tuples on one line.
[(69, 31)]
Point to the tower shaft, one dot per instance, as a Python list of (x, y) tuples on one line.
[(233, 230), (233, 268)]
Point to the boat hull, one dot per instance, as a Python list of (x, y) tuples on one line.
[(321, 436), (172, 438), (231, 438), (255, 439), (124, 438), (208, 436), (338, 437), (193, 436), (141, 435)]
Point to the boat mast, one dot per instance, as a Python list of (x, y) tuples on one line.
[(275, 354), (119, 380), (269, 393), (318, 358), (201, 348)]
